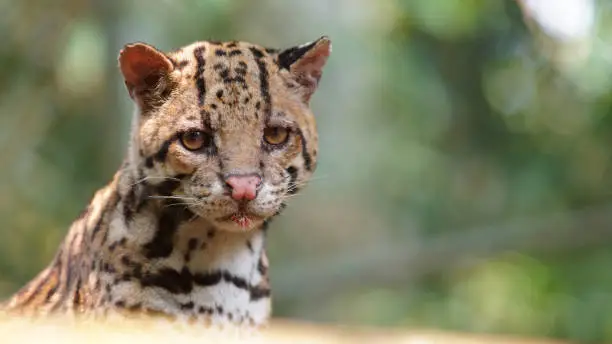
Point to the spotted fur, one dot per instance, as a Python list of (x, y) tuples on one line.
[(159, 239)]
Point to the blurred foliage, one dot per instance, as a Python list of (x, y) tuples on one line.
[(435, 117)]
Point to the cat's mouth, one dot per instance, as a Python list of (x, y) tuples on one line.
[(242, 219)]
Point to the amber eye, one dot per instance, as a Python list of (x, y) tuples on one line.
[(195, 140), (276, 135)]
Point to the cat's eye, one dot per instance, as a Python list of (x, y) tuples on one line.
[(195, 140), (276, 135)]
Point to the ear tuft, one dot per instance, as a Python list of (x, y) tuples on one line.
[(143, 67), (305, 63)]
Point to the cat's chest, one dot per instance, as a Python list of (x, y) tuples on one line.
[(210, 276)]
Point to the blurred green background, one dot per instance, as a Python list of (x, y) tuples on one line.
[(465, 177)]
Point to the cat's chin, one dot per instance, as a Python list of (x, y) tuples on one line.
[(239, 222)]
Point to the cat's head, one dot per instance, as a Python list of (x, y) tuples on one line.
[(230, 121)]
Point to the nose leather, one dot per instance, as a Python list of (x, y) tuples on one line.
[(243, 187)]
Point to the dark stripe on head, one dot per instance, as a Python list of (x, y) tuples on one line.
[(305, 154), (198, 53), (205, 119), (161, 154), (264, 85), (241, 69), (173, 61), (256, 52), (182, 64), (178, 64), (292, 188), (167, 187)]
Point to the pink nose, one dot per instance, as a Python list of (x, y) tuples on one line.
[(244, 187)]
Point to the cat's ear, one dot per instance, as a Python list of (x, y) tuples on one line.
[(305, 64), (145, 70)]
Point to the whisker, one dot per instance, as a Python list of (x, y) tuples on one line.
[(292, 196), (299, 184), (125, 168), (311, 180), (181, 204), (317, 178), (154, 177), (193, 217), (173, 197)]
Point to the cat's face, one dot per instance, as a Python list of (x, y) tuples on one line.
[(230, 122)]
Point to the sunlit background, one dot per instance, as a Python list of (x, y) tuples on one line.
[(465, 177)]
